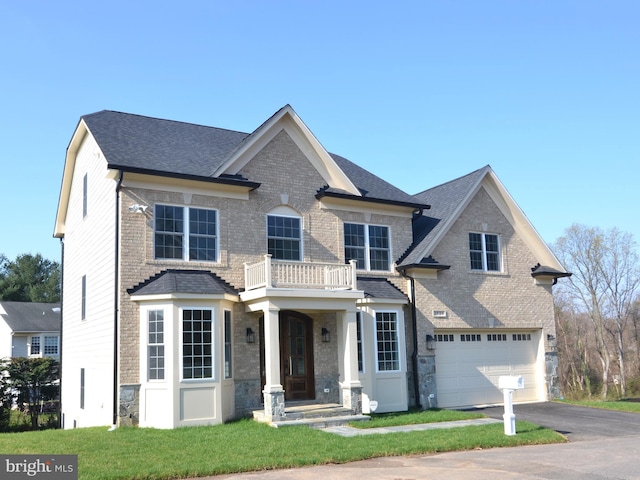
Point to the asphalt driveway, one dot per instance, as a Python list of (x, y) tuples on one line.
[(576, 423), (602, 445)]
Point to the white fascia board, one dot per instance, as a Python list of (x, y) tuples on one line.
[(169, 297), (67, 178), (355, 205), (179, 185), (286, 119)]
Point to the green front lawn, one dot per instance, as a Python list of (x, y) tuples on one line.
[(136, 453), (632, 406)]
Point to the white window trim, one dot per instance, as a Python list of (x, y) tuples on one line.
[(367, 246), (214, 342), (399, 334), (186, 233), (301, 239), (146, 343), (484, 253)]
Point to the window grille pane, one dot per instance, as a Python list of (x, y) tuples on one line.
[(359, 341), (387, 341), (35, 345), (155, 349), (169, 231), (51, 345), (202, 234), (284, 237), (197, 349)]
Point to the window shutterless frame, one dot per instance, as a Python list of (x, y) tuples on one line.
[(284, 237), (484, 252), (185, 233), (368, 245)]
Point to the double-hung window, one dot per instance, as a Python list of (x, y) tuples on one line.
[(368, 245), (155, 345), (186, 233), (35, 345), (197, 344), (51, 345), (284, 237), (387, 341), (484, 252)]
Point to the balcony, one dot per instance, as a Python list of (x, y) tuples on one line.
[(271, 273)]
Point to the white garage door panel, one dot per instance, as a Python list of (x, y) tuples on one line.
[(467, 373)]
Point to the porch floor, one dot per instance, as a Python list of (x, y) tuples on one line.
[(313, 415)]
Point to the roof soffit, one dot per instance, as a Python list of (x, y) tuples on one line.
[(286, 119)]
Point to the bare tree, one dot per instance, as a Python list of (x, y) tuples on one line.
[(622, 281), (582, 250)]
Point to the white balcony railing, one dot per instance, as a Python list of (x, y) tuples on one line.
[(280, 274)]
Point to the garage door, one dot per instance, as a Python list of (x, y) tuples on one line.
[(468, 366)]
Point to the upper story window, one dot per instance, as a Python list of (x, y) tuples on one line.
[(83, 301), (368, 245), (177, 238), (284, 237), (484, 252)]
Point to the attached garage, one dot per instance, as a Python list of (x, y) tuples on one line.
[(468, 365)]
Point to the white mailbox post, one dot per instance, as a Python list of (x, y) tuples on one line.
[(509, 383)]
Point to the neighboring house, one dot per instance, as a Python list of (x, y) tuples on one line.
[(209, 273), (29, 329)]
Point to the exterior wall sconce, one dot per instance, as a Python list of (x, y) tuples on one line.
[(431, 342), (326, 336), (251, 336), (550, 338)]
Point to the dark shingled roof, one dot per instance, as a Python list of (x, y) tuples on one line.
[(145, 144), (183, 281), (32, 317), (154, 144), (444, 199), (379, 288)]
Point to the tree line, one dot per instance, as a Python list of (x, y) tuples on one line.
[(598, 313), (29, 278)]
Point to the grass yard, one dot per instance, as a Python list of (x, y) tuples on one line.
[(631, 405), (136, 453)]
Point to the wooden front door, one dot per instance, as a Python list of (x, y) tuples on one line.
[(296, 356)]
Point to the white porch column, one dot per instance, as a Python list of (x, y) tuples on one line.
[(351, 386), (273, 391)]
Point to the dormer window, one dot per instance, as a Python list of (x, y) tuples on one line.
[(484, 252), (368, 245)]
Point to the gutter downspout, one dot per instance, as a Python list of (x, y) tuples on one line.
[(116, 303), (414, 329), (60, 422)]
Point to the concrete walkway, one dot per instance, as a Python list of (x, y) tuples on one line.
[(347, 431)]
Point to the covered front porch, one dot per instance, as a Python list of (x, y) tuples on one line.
[(308, 317)]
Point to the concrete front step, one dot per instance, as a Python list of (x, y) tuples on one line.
[(313, 415)]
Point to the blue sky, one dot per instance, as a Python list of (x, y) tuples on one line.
[(418, 92)]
